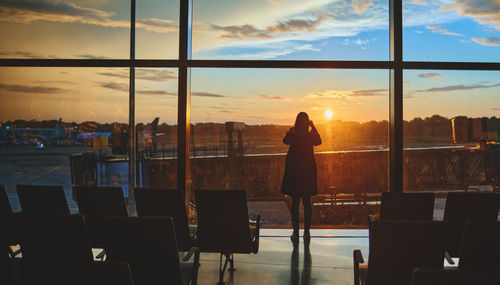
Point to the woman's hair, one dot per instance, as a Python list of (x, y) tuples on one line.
[(302, 122)]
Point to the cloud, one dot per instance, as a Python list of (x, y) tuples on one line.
[(294, 25), (115, 86), (155, 92), (265, 96), (282, 27), (31, 89), (150, 74), (274, 2), (437, 29), (460, 87), (495, 109), (430, 75), (356, 42), (487, 41), (23, 11), (486, 12), (206, 94), (241, 32), (122, 87), (419, 32), (90, 56), (360, 6), (348, 94)]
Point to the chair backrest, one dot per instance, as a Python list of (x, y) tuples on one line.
[(401, 246), (480, 245), (76, 273), (41, 199), (455, 277), (223, 221), (5, 206), (54, 237), (8, 234), (146, 243), (99, 201), (165, 202), (407, 206), (461, 207)]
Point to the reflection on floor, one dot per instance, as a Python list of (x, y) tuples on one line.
[(328, 261)]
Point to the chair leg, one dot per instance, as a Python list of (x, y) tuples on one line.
[(231, 264), (222, 269)]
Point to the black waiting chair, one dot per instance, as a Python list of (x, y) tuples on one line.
[(53, 237), (463, 206), (397, 248), (404, 206), (41, 199), (224, 226), (166, 202), (455, 277), (480, 247), (76, 273), (8, 236), (99, 201), (148, 244), (407, 206)]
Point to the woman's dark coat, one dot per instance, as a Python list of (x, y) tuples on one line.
[(300, 178)]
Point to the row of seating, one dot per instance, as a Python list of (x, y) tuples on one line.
[(223, 224), (405, 238)]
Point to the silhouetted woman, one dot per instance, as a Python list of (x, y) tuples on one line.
[(299, 180)]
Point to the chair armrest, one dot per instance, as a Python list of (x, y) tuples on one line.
[(101, 255), (254, 218), (13, 252), (357, 257), (189, 254), (448, 258), (371, 219)]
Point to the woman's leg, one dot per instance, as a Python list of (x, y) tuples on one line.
[(295, 214), (306, 202)]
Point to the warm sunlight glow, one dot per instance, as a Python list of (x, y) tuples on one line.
[(328, 114)]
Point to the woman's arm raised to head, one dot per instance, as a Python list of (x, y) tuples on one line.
[(288, 137), (316, 139)]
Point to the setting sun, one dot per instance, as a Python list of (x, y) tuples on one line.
[(328, 114)]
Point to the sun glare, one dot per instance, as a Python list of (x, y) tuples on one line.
[(328, 114)]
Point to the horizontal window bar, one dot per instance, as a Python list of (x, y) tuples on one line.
[(298, 64), (451, 65), (327, 64)]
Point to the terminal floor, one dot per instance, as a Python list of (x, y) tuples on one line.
[(329, 261)]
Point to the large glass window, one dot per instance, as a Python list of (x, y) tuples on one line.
[(65, 29), (456, 30), (156, 126), (451, 130), (157, 29), (291, 29), (237, 137), (63, 126)]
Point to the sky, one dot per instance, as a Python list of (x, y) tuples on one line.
[(434, 30)]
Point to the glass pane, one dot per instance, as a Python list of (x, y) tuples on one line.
[(454, 30), (156, 119), (291, 29), (451, 131), (260, 106), (65, 29), (63, 126), (157, 29)]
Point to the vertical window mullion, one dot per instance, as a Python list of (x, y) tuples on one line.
[(396, 97), (132, 165), (183, 113)]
